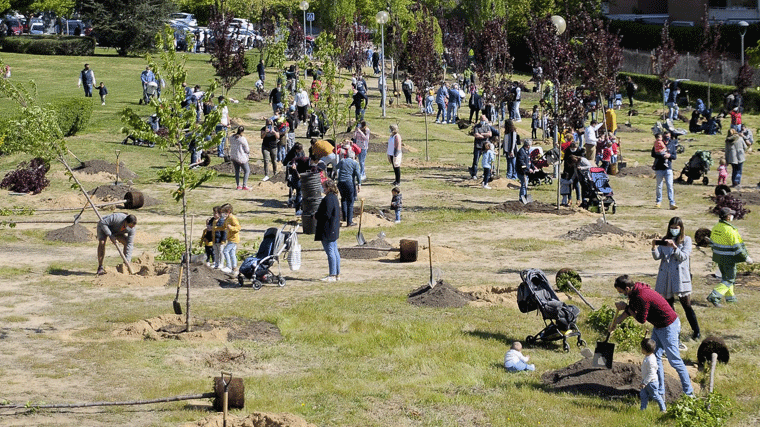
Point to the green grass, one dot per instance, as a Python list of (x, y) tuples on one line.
[(353, 352)]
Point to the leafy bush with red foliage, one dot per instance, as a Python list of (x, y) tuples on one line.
[(728, 201), (28, 177)]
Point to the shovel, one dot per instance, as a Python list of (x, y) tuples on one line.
[(430, 257), (604, 350), (177, 305), (117, 167), (359, 236)]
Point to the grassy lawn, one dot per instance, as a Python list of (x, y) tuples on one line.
[(352, 353)]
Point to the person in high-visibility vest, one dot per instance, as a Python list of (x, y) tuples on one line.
[(728, 250)]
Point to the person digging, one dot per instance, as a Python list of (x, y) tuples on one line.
[(119, 227)]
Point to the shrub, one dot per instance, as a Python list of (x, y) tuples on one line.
[(566, 276), (49, 45), (171, 249), (713, 411), (73, 114), (627, 335), (729, 201), (28, 177)]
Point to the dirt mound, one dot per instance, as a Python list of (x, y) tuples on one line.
[(147, 271), (256, 419), (441, 295), (619, 382), (368, 251), (599, 228), (172, 326), (202, 276), (96, 166), (75, 233), (637, 171), (515, 206), (748, 197), (486, 296), (632, 129), (115, 193)]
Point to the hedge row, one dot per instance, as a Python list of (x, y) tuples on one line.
[(49, 45), (650, 89), (73, 114)]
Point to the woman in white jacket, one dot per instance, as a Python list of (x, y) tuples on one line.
[(239, 154)]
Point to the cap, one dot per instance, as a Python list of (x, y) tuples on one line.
[(725, 212)]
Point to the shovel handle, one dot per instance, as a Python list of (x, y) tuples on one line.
[(609, 331)]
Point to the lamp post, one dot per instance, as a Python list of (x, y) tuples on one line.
[(559, 25), (304, 6), (743, 28), (381, 18)]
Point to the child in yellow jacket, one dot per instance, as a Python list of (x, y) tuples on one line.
[(232, 227)]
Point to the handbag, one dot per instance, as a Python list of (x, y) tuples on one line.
[(397, 160)]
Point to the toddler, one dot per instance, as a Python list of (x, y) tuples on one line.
[(488, 156), (649, 381), (102, 91), (220, 237), (514, 360), (660, 147), (232, 227), (396, 203), (207, 241), (535, 123), (722, 172)]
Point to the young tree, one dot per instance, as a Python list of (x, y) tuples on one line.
[(744, 77), (296, 38), (454, 44), (710, 54), (228, 53), (352, 42), (493, 62), (181, 132), (332, 103)]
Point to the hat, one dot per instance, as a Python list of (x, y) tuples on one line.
[(725, 212)]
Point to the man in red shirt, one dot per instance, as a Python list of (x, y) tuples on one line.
[(645, 304)]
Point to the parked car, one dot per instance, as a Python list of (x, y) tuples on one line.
[(188, 19), (13, 25), (37, 28)]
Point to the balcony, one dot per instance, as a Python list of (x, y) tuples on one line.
[(732, 15)]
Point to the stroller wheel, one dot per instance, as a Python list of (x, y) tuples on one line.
[(705, 180), (241, 280), (549, 180), (280, 281), (530, 339), (566, 346), (581, 342), (257, 285)]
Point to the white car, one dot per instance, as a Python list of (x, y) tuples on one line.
[(185, 18), (37, 28)]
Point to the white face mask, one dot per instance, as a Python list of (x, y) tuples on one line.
[(675, 232)]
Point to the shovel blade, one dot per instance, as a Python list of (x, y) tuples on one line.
[(360, 239), (526, 199), (177, 307), (603, 354)]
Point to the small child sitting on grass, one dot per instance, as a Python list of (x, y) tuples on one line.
[(514, 360), (649, 380)]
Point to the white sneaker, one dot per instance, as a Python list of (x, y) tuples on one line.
[(487, 187), (328, 279), (103, 103), (226, 270), (208, 264), (398, 221), (266, 178)]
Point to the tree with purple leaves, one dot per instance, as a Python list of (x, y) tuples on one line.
[(227, 53)]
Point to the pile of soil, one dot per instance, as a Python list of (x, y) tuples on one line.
[(366, 251), (637, 171), (172, 326), (599, 228), (748, 197), (632, 129), (256, 419), (442, 295), (515, 206), (202, 276), (621, 381), (75, 233), (488, 296), (147, 271), (96, 166), (115, 193)]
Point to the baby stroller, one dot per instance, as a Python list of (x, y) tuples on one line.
[(155, 126), (596, 191), (535, 293), (539, 161), (318, 125), (276, 242), (697, 167)]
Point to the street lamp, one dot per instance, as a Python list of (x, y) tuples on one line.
[(743, 28), (304, 6), (382, 18)]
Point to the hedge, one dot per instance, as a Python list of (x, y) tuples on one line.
[(49, 45), (650, 89), (73, 114)]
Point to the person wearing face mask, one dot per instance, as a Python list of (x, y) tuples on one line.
[(482, 132), (728, 250), (646, 305), (674, 276)]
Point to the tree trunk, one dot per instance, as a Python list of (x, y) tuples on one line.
[(188, 326)]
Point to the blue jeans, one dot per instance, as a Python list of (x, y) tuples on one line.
[(667, 342), (441, 112), (486, 176), (516, 111), (519, 366), (649, 392), (362, 159), (220, 149), (666, 175), (523, 178), (398, 214), (672, 110), (451, 115), (333, 256), (476, 153), (229, 254), (87, 89), (347, 198), (736, 173), (511, 167)]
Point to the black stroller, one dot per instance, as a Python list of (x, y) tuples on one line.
[(153, 122), (318, 125), (596, 191), (540, 161), (535, 293), (258, 269), (697, 168)]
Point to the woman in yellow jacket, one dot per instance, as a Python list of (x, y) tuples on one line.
[(232, 227), (728, 250)]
